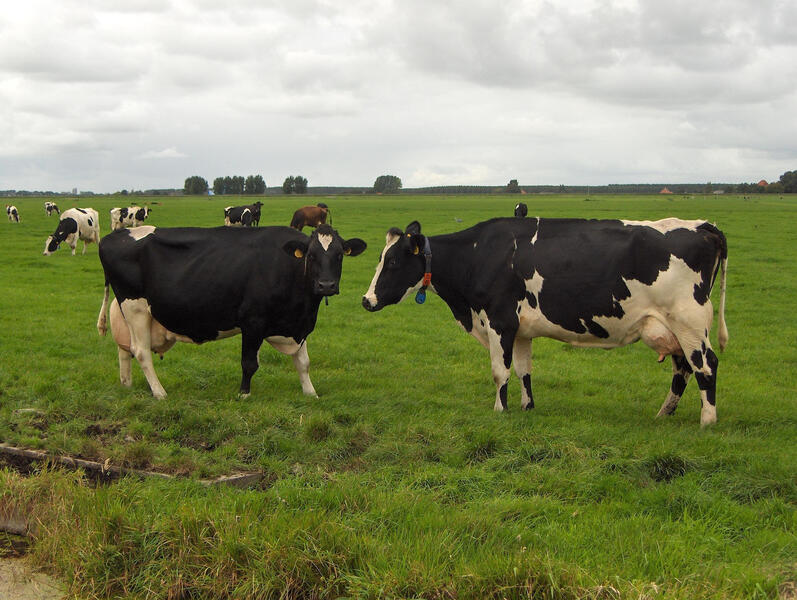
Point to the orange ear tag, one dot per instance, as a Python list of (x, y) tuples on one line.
[(416, 250), (298, 253)]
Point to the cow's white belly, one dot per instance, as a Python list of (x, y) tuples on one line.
[(284, 344)]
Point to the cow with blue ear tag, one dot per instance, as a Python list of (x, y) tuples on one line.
[(593, 283)]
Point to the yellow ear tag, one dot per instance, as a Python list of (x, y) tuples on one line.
[(347, 251), (416, 250), (298, 253)]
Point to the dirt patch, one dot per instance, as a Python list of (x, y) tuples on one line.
[(17, 581)]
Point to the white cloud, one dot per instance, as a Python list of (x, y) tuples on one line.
[(165, 153), (476, 92)]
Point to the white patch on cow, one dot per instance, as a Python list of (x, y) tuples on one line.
[(479, 330), (227, 333), (666, 225), (370, 295), (536, 231), (138, 233), (286, 345), (325, 240), (138, 315)]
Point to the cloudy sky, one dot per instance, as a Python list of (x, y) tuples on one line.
[(141, 94)]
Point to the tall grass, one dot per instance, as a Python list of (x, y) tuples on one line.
[(400, 481)]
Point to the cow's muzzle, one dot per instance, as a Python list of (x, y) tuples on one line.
[(368, 306), (326, 288)]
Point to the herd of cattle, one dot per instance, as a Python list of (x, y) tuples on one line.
[(593, 283)]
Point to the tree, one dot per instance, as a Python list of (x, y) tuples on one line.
[(512, 187), (195, 185), (300, 184), (218, 186), (387, 184), (789, 182), (254, 185), (287, 185)]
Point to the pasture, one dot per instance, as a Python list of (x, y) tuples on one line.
[(400, 480)]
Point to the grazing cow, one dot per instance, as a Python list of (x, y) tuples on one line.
[(129, 216), (75, 224), (311, 215), (521, 210), (13, 213), (243, 216), (50, 208), (207, 284), (585, 282)]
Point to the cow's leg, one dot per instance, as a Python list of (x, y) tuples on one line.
[(301, 361), (125, 367), (139, 321), (501, 360), (681, 371), (250, 346), (703, 362), (521, 357)]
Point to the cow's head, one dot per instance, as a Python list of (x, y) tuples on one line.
[(65, 227), (400, 269), (323, 256)]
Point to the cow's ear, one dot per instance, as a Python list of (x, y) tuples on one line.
[(412, 228), (296, 248), (354, 246), (417, 242)]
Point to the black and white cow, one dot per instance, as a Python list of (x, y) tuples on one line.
[(129, 216), (50, 208), (207, 284), (75, 224), (521, 210), (244, 216), (13, 213), (586, 282)]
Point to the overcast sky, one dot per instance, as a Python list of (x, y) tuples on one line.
[(140, 94)]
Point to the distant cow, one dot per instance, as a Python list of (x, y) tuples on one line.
[(585, 282), (75, 224), (311, 215), (206, 284), (13, 213), (50, 208), (244, 216), (521, 210), (129, 216)]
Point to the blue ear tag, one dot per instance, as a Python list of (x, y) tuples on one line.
[(420, 297)]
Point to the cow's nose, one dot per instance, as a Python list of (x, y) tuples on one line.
[(367, 304), (327, 288)]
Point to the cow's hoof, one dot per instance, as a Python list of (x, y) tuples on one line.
[(708, 416), (529, 406), (243, 395)]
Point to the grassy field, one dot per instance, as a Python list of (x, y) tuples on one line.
[(400, 480)]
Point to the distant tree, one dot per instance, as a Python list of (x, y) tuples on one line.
[(254, 184), (287, 185), (123, 192), (300, 184), (709, 188), (387, 184), (234, 185), (195, 185), (789, 182), (218, 186), (776, 187), (512, 187)]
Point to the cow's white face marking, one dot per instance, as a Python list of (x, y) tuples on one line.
[(138, 233), (390, 240), (325, 240), (666, 225)]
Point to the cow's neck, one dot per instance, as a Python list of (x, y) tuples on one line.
[(450, 273)]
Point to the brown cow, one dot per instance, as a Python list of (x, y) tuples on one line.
[(311, 215)]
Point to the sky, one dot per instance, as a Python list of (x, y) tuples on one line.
[(141, 94)]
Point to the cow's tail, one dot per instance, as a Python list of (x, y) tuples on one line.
[(722, 267), (102, 319), (722, 333)]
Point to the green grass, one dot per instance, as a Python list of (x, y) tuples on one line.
[(400, 480)]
